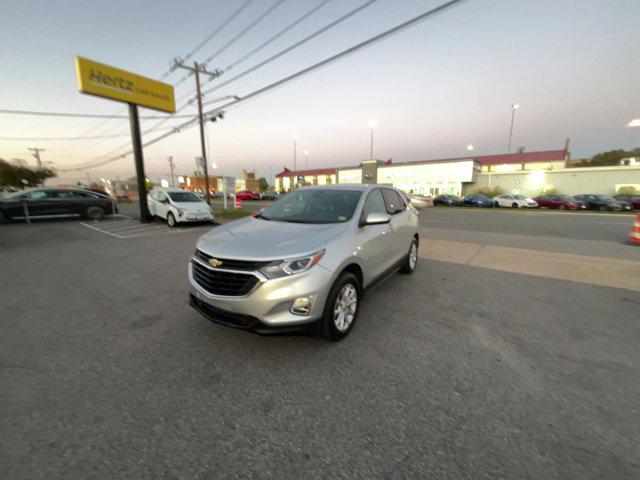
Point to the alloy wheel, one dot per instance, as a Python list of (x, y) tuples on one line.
[(413, 256), (344, 308)]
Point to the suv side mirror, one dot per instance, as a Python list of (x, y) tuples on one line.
[(377, 218)]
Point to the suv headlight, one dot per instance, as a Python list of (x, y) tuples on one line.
[(283, 268)]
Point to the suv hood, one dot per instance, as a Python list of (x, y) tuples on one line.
[(255, 239)]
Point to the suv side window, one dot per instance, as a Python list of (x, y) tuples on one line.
[(393, 201), (374, 203)]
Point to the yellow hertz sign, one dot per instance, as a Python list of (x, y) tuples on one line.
[(104, 81)]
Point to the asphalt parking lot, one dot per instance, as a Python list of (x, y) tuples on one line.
[(512, 352)]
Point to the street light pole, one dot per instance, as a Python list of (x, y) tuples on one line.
[(372, 124), (514, 107), (306, 159)]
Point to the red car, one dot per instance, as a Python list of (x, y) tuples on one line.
[(247, 195), (560, 202), (634, 200)]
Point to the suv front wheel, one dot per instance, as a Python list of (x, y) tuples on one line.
[(341, 309), (411, 260)]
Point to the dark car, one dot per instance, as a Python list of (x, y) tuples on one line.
[(603, 203), (634, 200), (477, 200), (99, 191), (446, 200), (269, 196), (560, 202), (55, 203), (247, 195)]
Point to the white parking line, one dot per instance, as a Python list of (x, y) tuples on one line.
[(130, 228), (100, 230)]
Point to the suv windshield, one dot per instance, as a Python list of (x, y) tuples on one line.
[(519, 197), (313, 206), (183, 197)]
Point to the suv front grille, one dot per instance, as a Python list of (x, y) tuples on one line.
[(220, 282), (248, 265)]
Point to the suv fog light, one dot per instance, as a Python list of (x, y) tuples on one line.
[(302, 305)]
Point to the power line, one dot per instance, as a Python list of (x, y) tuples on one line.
[(293, 46), (392, 31), (94, 137), (206, 40), (85, 115), (278, 35), (235, 38)]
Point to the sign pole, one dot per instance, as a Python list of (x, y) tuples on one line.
[(134, 121)]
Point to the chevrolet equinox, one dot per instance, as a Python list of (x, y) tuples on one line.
[(305, 260)]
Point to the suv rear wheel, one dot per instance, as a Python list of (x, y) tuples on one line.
[(341, 309)]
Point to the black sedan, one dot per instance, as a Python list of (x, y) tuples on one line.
[(446, 200), (603, 203), (477, 200), (55, 203)]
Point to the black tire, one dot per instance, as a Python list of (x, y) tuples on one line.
[(496, 204), (94, 213), (603, 208), (328, 328), (562, 207), (171, 220), (515, 205), (409, 265)]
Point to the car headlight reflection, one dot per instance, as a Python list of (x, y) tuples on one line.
[(283, 268)]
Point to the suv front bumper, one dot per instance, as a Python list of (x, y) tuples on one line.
[(266, 307)]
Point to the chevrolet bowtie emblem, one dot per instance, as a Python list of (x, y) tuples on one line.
[(214, 262)]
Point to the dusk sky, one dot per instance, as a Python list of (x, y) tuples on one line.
[(572, 65)]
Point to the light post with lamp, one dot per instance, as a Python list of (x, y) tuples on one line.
[(514, 107), (373, 123)]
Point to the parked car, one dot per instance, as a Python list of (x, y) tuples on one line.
[(560, 202), (446, 200), (178, 206), (269, 195), (477, 200), (55, 203), (634, 200), (247, 195), (514, 201), (305, 260), (603, 203), (420, 201)]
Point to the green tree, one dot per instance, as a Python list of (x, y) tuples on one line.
[(612, 157), (263, 185), (22, 176)]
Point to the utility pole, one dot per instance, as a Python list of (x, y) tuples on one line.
[(197, 69), (171, 166), (36, 154)]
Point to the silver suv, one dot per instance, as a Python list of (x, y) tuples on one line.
[(305, 260)]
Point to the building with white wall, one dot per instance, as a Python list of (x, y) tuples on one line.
[(529, 173)]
